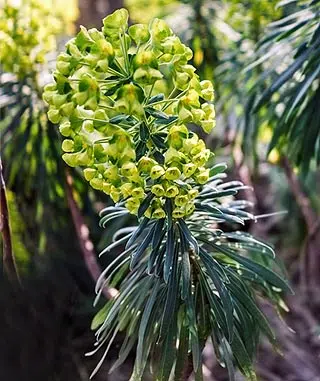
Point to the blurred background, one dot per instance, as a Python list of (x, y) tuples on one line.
[(263, 57)]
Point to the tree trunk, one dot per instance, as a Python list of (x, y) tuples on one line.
[(9, 264)]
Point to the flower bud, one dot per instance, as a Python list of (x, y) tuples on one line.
[(156, 172), (176, 136), (208, 125), (145, 58), (106, 187), (80, 98), (138, 193), (148, 212), (203, 176), (129, 169), (111, 173), (67, 108), (50, 87), (159, 30), (126, 189), (190, 143), (147, 76), (193, 193), (207, 90), (92, 59), (172, 45), (189, 169), (54, 116), (104, 48), (139, 33), (208, 108), (58, 100), (201, 158), (64, 67), (185, 115), (83, 38), (96, 183), (178, 213), (172, 155), (132, 204), (65, 129), (114, 194), (88, 125), (71, 159), (191, 99), (158, 190), (181, 200), (89, 173), (95, 34), (115, 21), (200, 146), (47, 96), (172, 173), (198, 115), (189, 208), (181, 81), (103, 65), (68, 145), (159, 213), (73, 49), (172, 191)]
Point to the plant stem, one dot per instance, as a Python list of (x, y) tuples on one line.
[(86, 245), (310, 261), (299, 194), (9, 264), (188, 368)]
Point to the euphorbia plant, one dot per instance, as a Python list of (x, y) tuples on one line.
[(123, 98)]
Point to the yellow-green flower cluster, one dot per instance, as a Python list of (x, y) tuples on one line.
[(28, 30), (133, 141), (183, 169)]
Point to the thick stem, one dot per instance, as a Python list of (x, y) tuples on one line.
[(300, 196), (310, 261), (9, 264), (188, 368), (86, 245)]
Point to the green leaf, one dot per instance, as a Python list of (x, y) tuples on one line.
[(138, 232), (168, 353), (217, 168), (144, 133), (156, 113), (282, 79), (100, 316), (267, 274), (171, 300), (118, 119), (221, 288), (242, 358), (186, 273), (156, 98), (171, 250), (188, 236), (142, 348), (227, 357), (145, 204), (140, 250), (250, 305), (182, 355), (302, 89)]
